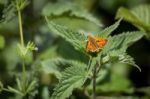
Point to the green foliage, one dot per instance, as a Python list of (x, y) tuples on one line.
[(73, 77), (55, 66), (138, 16), (122, 41), (20, 4), (73, 20), (22, 88), (115, 49), (73, 10), (8, 13), (117, 83), (71, 15), (1, 86), (25, 50), (77, 39), (107, 31), (127, 59), (2, 42), (113, 52)]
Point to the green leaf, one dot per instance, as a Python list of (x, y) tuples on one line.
[(127, 59), (78, 40), (107, 31), (138, 16), (1, 86), (31, 86), (117, 83), (122, 41), (61, 8), (72, 78), (110, 81), (2, 42), (19, 84), (54, 66), (13, 90), (115, 49), (8, 13)]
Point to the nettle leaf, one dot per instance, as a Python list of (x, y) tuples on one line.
[(115, 49), (54, 66), (77, 39), (122, 41), (107, 31), (139, 16), (73, 77), (127, 59), (61, 8)]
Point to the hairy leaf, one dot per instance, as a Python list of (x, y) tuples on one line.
[(78, 40), (107, 31), (69, 9), (127, 59), (122, 41), (139, 16), (73, 77), (54, 66)]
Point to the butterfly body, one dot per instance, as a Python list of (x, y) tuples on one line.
[(95, 44)]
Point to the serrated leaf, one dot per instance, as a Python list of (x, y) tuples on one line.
[(122, 41), (72, 78), (127, 59), (107, 31), (69, 9), (117, 83), (78, 40), (54, 66), (139, 16)]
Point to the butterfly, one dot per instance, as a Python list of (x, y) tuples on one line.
[(95, 44)]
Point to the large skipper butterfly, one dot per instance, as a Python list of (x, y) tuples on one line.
[(95, 44)]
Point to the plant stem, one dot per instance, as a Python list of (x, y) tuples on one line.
[(22, 44), (20, 28), (23, 71), (94, 83)]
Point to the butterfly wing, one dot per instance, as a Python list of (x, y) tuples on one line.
[(101, 42), (92, 45)]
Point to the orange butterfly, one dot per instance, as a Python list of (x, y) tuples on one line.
[(95, 44)]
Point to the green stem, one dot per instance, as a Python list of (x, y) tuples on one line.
[(20, 28), (23, 71), (22, 44), (94, 83), (89, 63)]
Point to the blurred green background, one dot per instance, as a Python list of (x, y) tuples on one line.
[(50, 45)]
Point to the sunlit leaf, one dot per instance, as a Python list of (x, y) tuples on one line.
[(107, 31), (69, 9), (72, 78), (78, 40), (138, 16), (122, 41)]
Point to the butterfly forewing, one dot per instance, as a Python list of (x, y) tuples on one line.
[(94, 44)]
